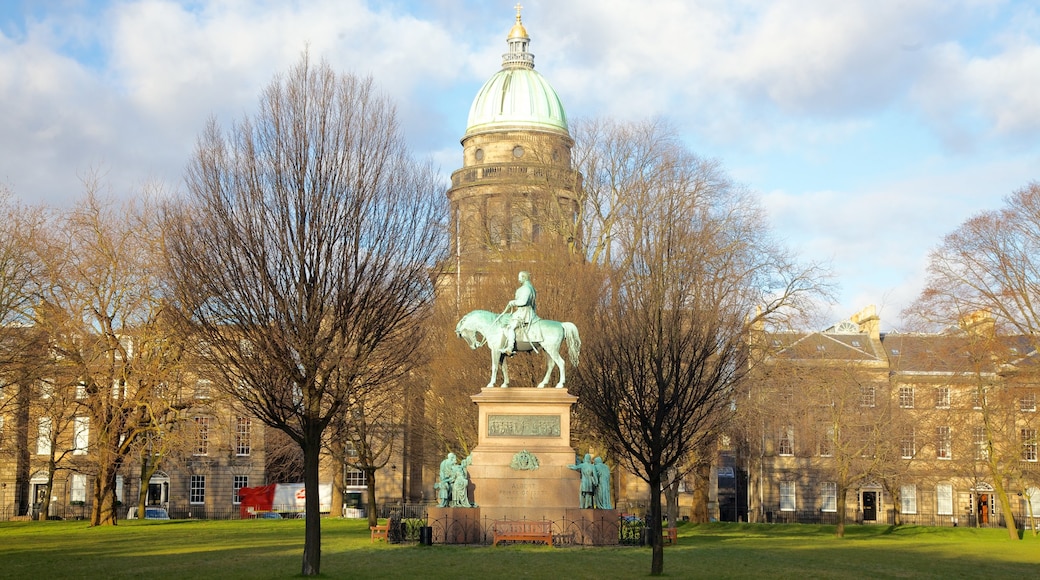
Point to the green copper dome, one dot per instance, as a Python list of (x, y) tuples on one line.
[(517, 96)]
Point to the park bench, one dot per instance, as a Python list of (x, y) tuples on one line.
[(671, 536), (381, 531), (522, 531)]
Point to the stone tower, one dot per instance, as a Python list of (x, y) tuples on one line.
[(516, 190)]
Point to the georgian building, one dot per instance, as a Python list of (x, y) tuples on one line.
[(202, 451), (914, 428)]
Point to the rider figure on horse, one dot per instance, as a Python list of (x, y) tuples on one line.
[(523, 303)]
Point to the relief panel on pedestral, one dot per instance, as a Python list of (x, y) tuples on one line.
[(523, 426)]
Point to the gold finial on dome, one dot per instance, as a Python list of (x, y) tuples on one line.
[(518, 30)]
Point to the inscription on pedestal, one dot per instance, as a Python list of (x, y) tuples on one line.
[(523, 490), (523, 425)]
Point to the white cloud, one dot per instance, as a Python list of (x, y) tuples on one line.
[(813, 84)]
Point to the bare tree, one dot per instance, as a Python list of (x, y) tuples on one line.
[(849, 426), (302, 254), (991, 265), (22, 348), (692, 270), (100, 302), (284, 458)]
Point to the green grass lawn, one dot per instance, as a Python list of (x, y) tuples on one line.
[(272, 549)]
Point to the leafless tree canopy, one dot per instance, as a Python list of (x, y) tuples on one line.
[(302, 254), (691, 268), (990, 267), (990, 263)]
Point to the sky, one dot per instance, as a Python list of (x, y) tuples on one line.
[(868, 128)]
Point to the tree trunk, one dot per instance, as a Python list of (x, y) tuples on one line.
[(671, 495), (654, 526), (103, 512), (842, 506), (336, 510), (1032, 516), (370, 485), (702, 481), (336, 452), (149, 466), (1005, 507), (897, 502), (21, 444), (45, 505), (312, 532)]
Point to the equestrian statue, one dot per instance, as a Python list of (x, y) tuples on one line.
[(520, 331)]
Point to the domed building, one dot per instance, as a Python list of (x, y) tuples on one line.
[(513, 203), (516, 189)]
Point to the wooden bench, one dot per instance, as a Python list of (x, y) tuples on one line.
[(522, 531), (381, 531), (671, 536)]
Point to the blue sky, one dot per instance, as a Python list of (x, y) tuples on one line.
[(870, 128)]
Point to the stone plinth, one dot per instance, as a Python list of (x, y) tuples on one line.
[(592, 527), (456, 525), (524, 419)]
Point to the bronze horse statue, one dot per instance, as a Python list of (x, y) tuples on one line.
[(546, 335)]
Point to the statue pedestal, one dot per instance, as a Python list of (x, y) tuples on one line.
[(455, 525), (514, 420), (593, 527)]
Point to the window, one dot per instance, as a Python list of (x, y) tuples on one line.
[(80, 435), (980, 443), (197, 489), (944, 443), (908, 446), (242, 436), (127, 344), (829, 496), (239, 482), (81, 390), (944, 499), (356, 478), (1027, 404), (1029, 444), (977, 398), (78, 487), (942, 398), (203, 388), (908, 499), (118, 389), (827, 441), (785, 397), (119, 488), (201, 435), (906, 397), (43, 436), (785, 444), (787, 496), (867, 396), (866, 441)]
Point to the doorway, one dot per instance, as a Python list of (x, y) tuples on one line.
[(158, 490), (870, 506), (983, 508)]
